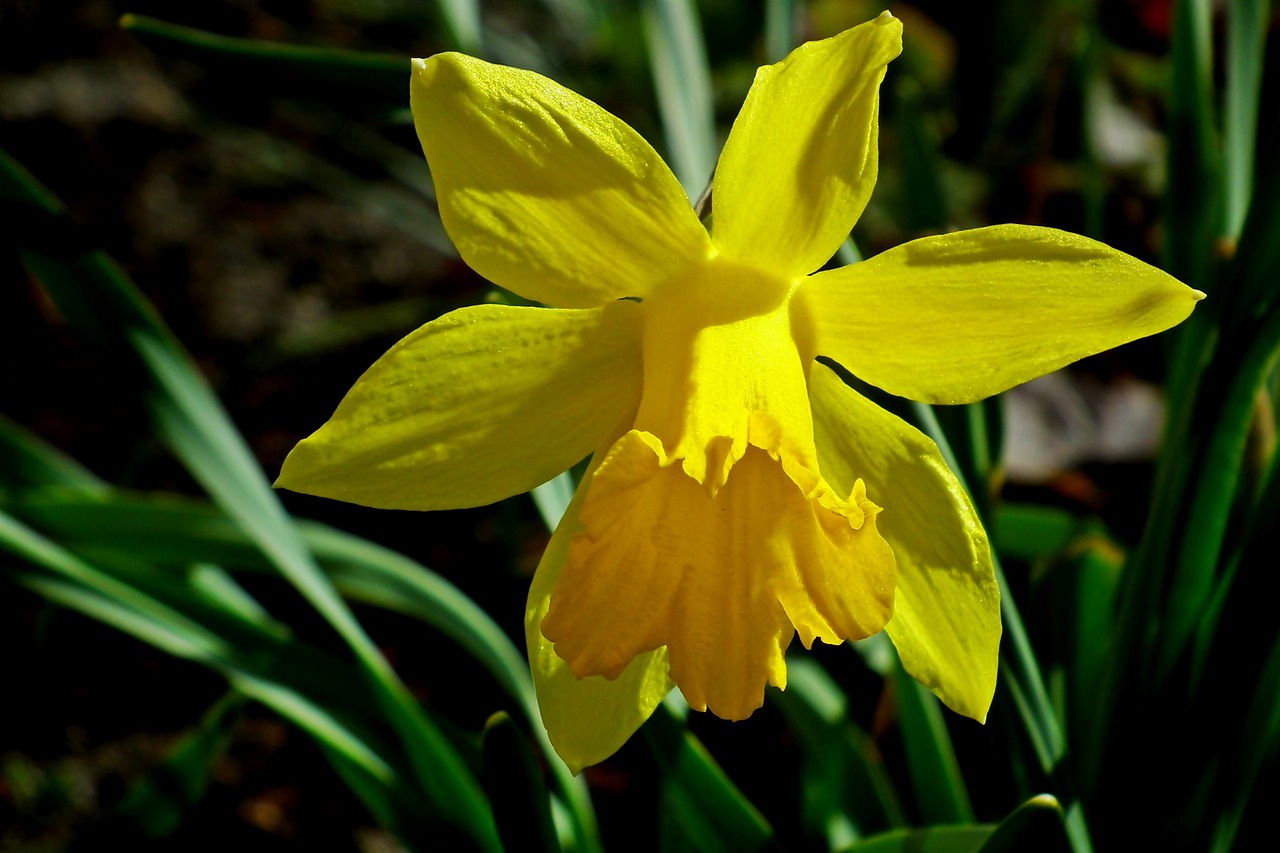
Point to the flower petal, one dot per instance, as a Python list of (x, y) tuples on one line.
[(801, 159), (946, 617), (545, 193), (959, 317), (718, 580), (587, 719), (481, 404)]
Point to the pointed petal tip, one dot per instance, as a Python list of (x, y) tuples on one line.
[(1197, 295)]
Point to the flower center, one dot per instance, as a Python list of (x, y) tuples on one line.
[(727, 350)]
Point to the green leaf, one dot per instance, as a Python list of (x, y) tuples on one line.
[(924, 206), (514, 783), (1035, 825), (779, 29), (552, 499), (1246, 48), (845, 789), (93, 291), (937, 782), (1020, 673), (935, 839), (82, 588), (1032, 532), (462, 23), (328, 75), (1192, 204), (26, 461), (702, 809), (682, 79)]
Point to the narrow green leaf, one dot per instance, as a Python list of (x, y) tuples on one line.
[(1191, 205), (1035, 825), (710, 812), (1032, 532), (26, 461), (924, 206), (514, 783), (1091, 577), (779, 29), (552, 499), (937, 782), (189, 419), (462, 23), (1211, 501), (936, 839), (1020, 672), (178, 533), (846, 791), (1246, 47), (682, 79), (1257, 746), (175, 635), (328, 75)]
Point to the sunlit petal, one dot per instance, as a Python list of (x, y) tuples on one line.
[(959, 317), (946, 618), (479, 405), (802, 158), (545, 193)]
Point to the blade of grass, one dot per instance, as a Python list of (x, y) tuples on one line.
[(78, 586), (26, 461), (1191, 204), (1257, 745), (316, 73), (462, 24), (1020, 673), (1246, 47), (711, 812), (1032, 532), (516, 788), (937, 782), (779, 29), (935, 839), (177, 533), (552, 499), (1035, 825), (191, 422), (682, 80), (847, 792)]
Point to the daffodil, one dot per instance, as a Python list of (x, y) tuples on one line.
[(740, 492)]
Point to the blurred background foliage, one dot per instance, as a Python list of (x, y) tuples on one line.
[(186, 666)]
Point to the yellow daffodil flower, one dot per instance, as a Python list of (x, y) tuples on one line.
[(740, 492)]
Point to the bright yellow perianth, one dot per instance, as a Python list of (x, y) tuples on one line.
[(739, 492)]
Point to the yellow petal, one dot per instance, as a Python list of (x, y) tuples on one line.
[(479, 405), (946, 617), (542, 191), (959, 317), (801, 159), (587, 719), (721, 581)]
